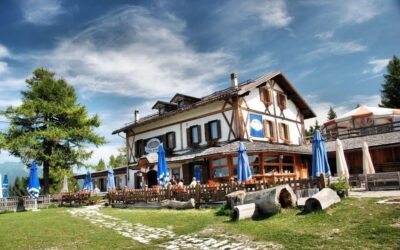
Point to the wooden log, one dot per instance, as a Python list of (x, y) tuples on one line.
[(235, 198), (268, 201), (178, 204), (322, 200), (245, 211)]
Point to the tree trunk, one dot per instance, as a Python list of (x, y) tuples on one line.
[(178, 204), (46, 177), (322, 200), (242, 212)]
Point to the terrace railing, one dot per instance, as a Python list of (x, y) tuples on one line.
[(204, 193), (358, 132)]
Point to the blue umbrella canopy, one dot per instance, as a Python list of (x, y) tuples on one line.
[(243, 166), (162, 167), (33, 184), (88, 184), (320, 163), (5, 187), (197, 172), (110, 179)]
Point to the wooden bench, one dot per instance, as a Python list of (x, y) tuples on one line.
[(79, 197), (382, 181)]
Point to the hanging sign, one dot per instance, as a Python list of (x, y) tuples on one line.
[(256, 126)]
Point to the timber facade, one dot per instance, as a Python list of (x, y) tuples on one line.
[(201, 135)]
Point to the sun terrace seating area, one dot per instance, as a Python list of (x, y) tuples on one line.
[(211, 192)]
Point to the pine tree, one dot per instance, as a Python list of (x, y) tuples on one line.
[(101, 165), (49, 126), (111, 161), (331, 114), (390, 93)]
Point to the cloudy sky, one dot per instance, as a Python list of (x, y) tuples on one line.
[(123, 55)]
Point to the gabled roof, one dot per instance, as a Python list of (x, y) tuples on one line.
[(159, 104), (242, 89)]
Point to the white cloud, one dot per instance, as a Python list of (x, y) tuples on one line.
[(271, 13), (104, 152), (335, 48), (378, 66), (3, 67), (321, 108), (4, 51), (359, 11), (325, 35), (131, 52), (41, 12)]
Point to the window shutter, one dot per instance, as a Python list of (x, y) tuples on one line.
[(270, 96), (281, 132), (287, 133), (207, 131), (219, 129), (199, 132), (188, 137), (273, 135), (262, 95), (266, 128)]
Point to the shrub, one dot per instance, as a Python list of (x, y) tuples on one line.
[(341, 186)]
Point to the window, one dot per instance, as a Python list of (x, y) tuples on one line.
[(139, 148), (254, 161), (278, 164), (284, 133), (266, 95), (212, 130), (281, 100), (269, 129), (220, 168), (181, 104), (177, 173), (161, 110), (170, 141), (193, 134)]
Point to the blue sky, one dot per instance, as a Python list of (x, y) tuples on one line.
[(124, 55)]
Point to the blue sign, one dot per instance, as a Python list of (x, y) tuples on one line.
[(256, 125)]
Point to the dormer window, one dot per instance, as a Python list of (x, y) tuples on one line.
[(181, 104), (266, 96)]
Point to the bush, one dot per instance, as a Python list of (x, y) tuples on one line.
[(341, 187), (223, 211), (53, 206), (95, 199)]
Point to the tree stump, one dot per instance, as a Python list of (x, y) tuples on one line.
[(235, 198), (322, 200)]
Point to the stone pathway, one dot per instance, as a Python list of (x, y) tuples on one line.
[(144, 234)]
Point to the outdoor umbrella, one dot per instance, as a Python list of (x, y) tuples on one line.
[(1, 190), (5, 187), (243, 166), (33, 184), (368, 166), (65, 185), (110, 179), (88, 184), (320, 163), (341, 165), (162, 167)]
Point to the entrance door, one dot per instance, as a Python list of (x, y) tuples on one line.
[(152, 178)]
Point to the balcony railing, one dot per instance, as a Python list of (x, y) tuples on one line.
[(357, 132)]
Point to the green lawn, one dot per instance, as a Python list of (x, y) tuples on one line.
[(352, 224)]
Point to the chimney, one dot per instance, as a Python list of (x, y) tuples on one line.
[(234, 80), (137, 116)]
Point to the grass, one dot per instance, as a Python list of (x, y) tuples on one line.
[(352, 224)]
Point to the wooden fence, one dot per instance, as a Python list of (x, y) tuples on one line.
[(26, 202), (204, 193)]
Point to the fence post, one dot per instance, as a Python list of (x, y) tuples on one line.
[(322, 181), (169, 191), (198, 193), (145, 193)]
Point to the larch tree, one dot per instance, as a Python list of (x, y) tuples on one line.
[(101, 165), (390, 93), (50, 126)]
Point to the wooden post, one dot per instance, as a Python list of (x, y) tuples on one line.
[(366, 182), (322, 181), (145, 193), (168, 196), (398, 175), (198, 192)]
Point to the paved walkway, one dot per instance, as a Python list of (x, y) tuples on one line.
[(362, 193), (144, 234)]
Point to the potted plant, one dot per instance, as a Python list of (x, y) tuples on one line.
[(341, 187)]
